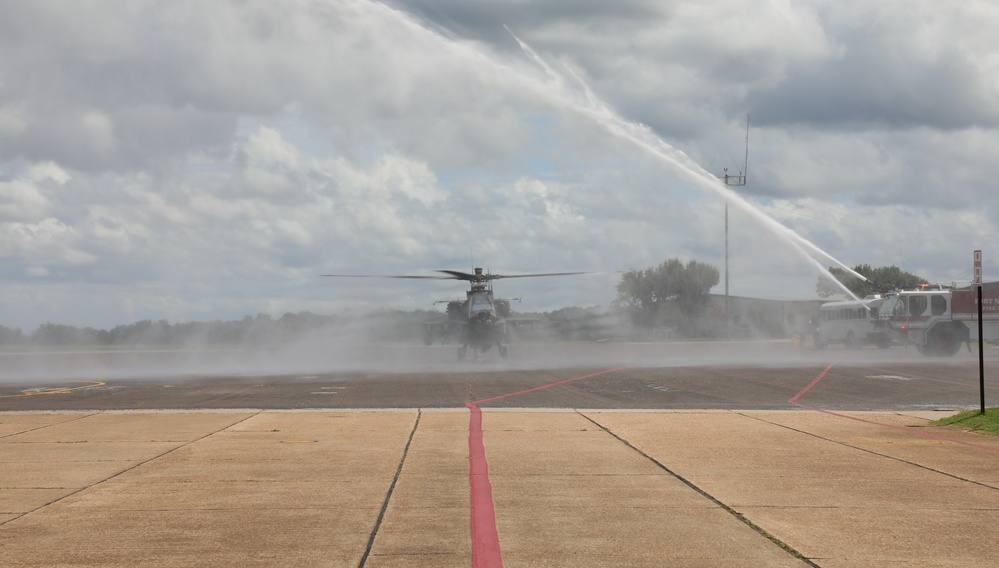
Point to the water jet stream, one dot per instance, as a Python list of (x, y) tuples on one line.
[(637, 134), (640, 135)]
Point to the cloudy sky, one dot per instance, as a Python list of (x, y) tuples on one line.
[(208, 160)]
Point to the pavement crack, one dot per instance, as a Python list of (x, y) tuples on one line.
[(27, 430), (739, 516), (391, 489), (129, 468)]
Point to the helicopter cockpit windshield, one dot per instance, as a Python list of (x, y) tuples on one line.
[(480, 303)]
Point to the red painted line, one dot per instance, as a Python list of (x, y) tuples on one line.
[(548, 386), (485, 538), (794, 400)]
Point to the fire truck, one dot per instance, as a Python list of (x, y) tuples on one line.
[(938, 321)]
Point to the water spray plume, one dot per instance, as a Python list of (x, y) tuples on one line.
[(646, 139), (637, 134)]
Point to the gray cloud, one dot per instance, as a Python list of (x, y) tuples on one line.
[(201, 161)]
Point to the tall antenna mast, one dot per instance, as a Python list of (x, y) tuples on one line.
[(738, 181)]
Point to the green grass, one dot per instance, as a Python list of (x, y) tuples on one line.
[(975, 420)]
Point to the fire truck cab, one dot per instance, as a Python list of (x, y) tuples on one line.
[(938, 321)]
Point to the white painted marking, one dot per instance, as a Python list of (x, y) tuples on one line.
[(890, 377)]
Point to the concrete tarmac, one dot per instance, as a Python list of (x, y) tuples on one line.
[(571, 488), (822, 481)]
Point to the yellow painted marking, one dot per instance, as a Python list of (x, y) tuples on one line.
[(54, 391)]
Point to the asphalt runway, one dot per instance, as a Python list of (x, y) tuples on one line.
[(735, 375)]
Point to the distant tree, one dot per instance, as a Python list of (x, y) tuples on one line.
[(11, 336), (56, 334), (588, 324), (879, 281), (646, 291)]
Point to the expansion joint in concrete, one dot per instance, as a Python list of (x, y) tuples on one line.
[(26, 430), (391, 489), (727, 508), (872, 452), (129, 468)]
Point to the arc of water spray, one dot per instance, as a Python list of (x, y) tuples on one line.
[(605, 116), (639, 135)]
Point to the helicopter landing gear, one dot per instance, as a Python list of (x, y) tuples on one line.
[(461, 352)]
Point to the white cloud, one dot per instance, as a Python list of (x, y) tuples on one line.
[(48, 239), (211, 160), (20, 201), (48, 170), (266, 183), (267, 146)]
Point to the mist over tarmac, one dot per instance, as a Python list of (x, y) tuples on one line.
[(392, 344), (326, 353)]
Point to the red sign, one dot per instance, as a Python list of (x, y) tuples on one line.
[(966, 302)]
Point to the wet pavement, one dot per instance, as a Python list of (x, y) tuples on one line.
[(736, 465)]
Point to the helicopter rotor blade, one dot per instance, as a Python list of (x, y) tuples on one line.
[(498, 276), (408, 277), (489, 276), (458, 275)]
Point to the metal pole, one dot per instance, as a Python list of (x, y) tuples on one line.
[(981, 352)]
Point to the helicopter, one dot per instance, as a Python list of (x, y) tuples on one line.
[(480, 318)]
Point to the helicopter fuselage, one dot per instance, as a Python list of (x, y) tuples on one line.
[(484, 327), (480, 319)]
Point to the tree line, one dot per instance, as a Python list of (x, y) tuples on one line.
[(879, 280), (259, 330), (672, 294)]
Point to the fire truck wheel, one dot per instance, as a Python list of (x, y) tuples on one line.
[(945, 341), (947, 346)]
